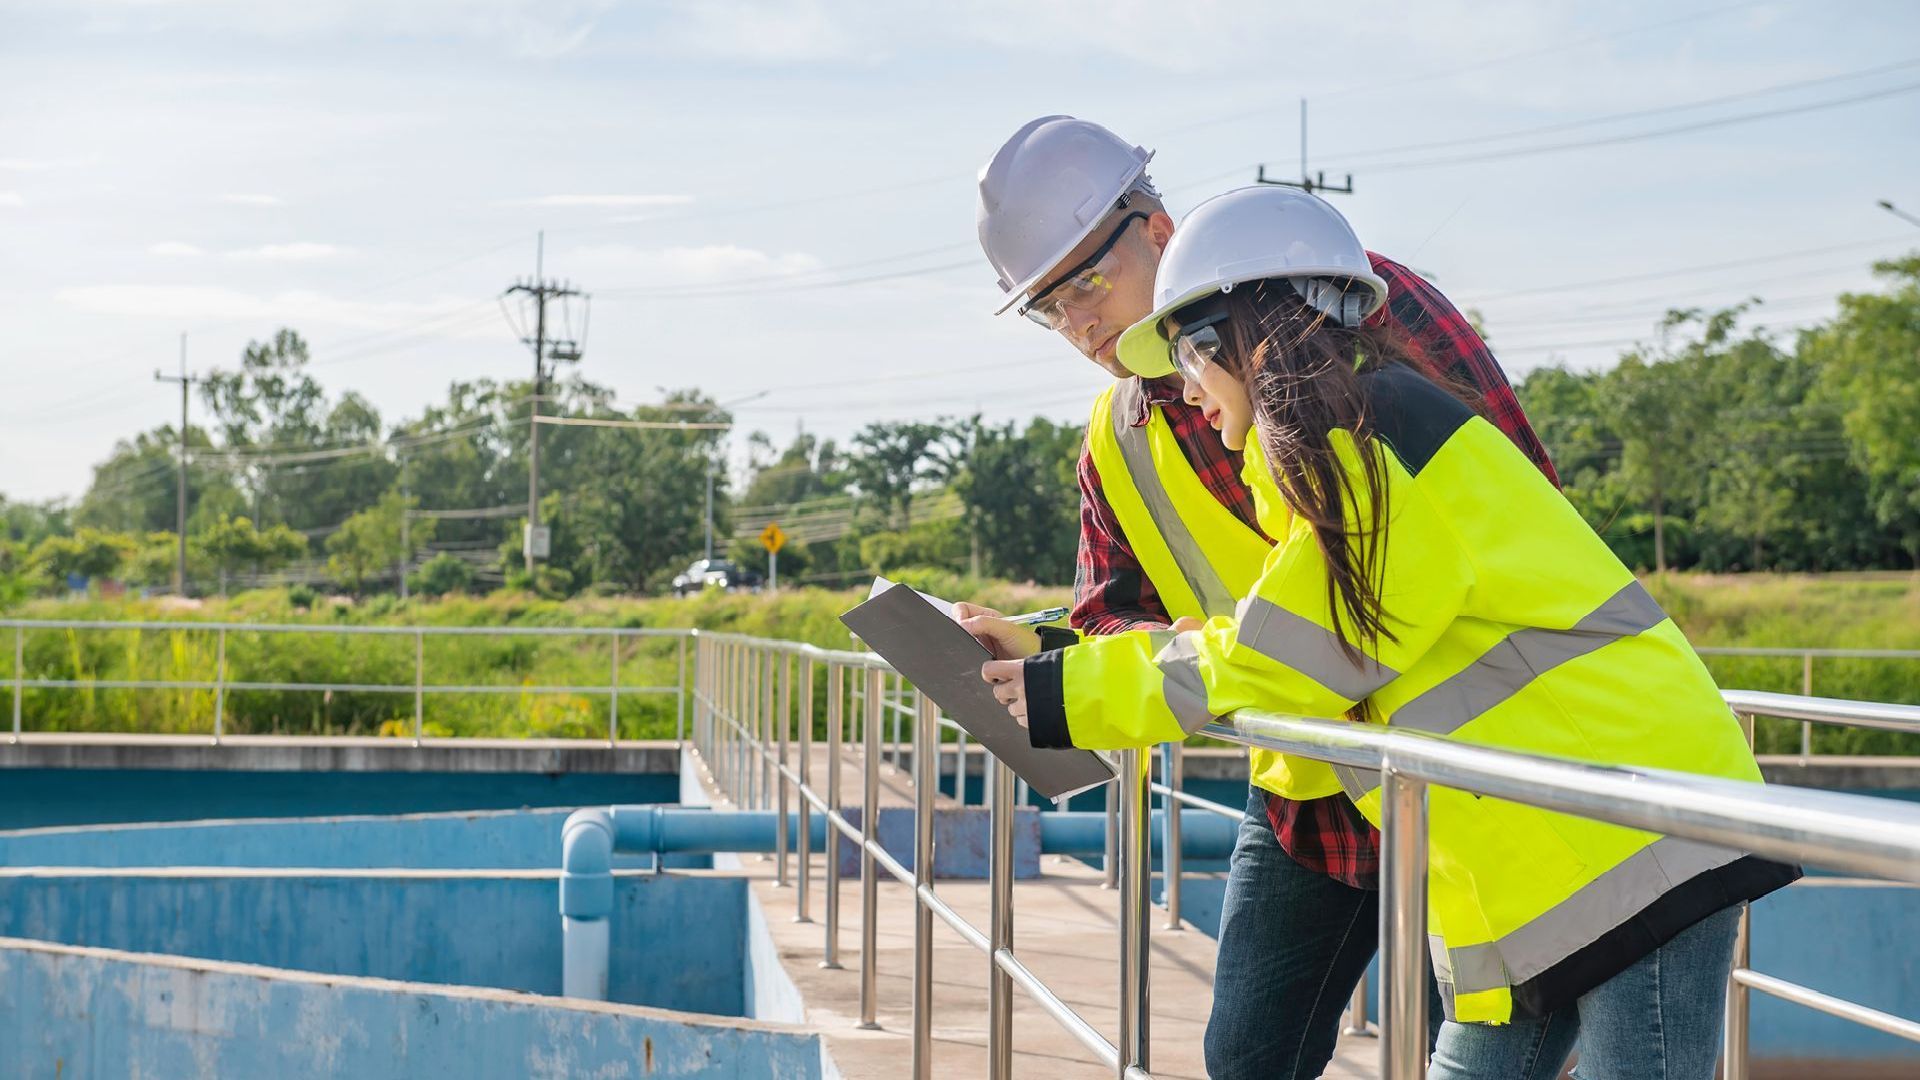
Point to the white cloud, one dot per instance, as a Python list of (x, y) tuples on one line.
[(298, 251), (31, 164), (623, 265), (242, 199), (762, 30), (175, 249), (11, 198), (616, 201), (299, 307)]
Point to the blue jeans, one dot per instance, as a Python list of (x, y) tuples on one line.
[(1658, 1020), (1293, 945)]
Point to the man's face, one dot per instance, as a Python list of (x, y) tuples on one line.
[(1122, 293)]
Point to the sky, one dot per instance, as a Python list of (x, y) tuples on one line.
[(773, 202)]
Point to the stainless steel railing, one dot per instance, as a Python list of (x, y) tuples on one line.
[(746, 710), (1848, 832), (221, 684)]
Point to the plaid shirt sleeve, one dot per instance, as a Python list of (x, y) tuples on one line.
[(1438, 336), (1111, 593)]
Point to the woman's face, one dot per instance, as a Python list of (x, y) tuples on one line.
[(1222, 397)]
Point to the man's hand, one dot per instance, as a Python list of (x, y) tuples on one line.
[(1009, 679), (1185, 623), (1005, 640)]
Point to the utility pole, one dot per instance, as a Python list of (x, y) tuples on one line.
[(1308, 182), (709, 509), (180, 493), (406, 522), (1887, 205), (540, 290)]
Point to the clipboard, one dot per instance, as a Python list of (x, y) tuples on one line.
[(943, 661)]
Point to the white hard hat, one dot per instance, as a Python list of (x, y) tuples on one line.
[(1045, 190), (1250, 234)]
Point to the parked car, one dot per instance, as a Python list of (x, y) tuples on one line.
[(715, 574)]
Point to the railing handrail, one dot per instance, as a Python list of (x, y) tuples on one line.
[(1884, 716), (387, 629), (1794, 650), (1851, 832)]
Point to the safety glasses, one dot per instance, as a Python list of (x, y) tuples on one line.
[(1084, 285), (1196, 344)]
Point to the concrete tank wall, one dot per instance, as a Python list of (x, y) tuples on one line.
[(677, 941), (95, 1014)]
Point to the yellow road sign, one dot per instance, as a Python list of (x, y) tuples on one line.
[(772, 538)]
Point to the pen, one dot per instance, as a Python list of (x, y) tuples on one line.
[(1038, 617)]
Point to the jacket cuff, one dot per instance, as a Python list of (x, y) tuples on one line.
[(1047, 701), (1056, 637)]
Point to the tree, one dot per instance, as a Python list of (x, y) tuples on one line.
[(440, 575), (1870, 365), (136, 489), (370, 541), (232, 543), (891, 460), (1650, 404), (1023, 495), (88, 553)]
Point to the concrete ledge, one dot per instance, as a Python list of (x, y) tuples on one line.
[(303, 753), (105, 1012), (1839, 773)]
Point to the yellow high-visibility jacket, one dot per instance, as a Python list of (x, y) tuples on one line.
[(1199, 555), (1513, 626)]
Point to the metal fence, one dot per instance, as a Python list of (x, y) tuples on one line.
[(753, 706), (754, 718), (419, 689)]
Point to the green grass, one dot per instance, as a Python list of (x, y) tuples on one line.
[(1834, 611)]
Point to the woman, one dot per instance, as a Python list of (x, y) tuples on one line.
[(1426, 576)]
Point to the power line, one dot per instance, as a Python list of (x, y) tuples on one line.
[(1658, 133), (1635, 114), (1679, 271)]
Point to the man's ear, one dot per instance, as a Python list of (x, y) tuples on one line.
[(1160, 229)]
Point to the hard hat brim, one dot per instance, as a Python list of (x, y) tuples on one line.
[(1144, 350)]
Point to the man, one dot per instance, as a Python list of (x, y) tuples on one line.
[(1074, 228)]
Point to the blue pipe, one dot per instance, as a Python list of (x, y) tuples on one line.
[(591, 836)]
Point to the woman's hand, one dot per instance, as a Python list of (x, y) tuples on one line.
[(1187, 622), (1004, 640), (1009, 679)]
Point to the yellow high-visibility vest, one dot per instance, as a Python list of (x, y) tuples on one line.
[(1511, 625), (1200, 557)]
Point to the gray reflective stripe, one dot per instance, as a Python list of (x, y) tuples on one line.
[(1357, 782), (1310, 649), (1180, 683), (1207, 587), (1523, 656), (1580, 919)]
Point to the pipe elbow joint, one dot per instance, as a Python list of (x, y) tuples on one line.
[(586, 864)]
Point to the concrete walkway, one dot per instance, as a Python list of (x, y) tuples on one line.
[(1066, 930)]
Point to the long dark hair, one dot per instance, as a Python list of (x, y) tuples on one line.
[(1304, 374)]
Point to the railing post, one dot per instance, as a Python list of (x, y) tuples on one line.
[(804, 864), (1735, 1030), (769, 707), (925, 777), (960, 767), (1136, 885), (680, 703), (220, 689), (1734, 1047), (783, 717), (869, 870), (1806, 726), (1172, 774), (836, 728), (419, 684), (613, 696), (1357, 1010), (1110, 844), (895, 701), (19, 676), (1001, 812), (1403, 924)]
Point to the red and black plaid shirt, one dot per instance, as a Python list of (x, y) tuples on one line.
[(1111, 594)]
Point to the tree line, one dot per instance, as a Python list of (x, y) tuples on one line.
[(1716, 447)]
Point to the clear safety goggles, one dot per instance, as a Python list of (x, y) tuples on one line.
[(1196, 344), (1081, 287)]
